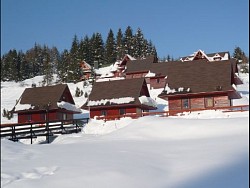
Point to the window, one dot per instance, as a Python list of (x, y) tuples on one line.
[(29, 117), (104, 112), (122, 111), (43, 117), (185, 103), (64, 116), (209, 102), (158, 80)]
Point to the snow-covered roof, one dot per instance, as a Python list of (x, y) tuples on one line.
[(150, 74), (122, 100)]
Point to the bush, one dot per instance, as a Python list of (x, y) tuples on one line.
[(78, 92), (8, 114)]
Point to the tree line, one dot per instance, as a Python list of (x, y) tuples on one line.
[(42, 60)]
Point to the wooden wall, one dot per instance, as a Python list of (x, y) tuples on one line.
[(198, 102), (41, 116), (111, 111)]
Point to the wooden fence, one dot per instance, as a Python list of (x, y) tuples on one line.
[(240, 108), (30, 130)]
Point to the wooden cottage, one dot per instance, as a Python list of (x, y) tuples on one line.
[(86, 69), (122, 65), (154, 73), (199, 85), (50, 103), (119, 97), (218, 56)]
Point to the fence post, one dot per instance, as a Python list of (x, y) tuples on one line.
[(31, 133)]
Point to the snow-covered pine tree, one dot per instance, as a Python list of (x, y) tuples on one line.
[(110, 48), (128, 41), (75, 71), (48, 67), (98, 49), (119, 45)]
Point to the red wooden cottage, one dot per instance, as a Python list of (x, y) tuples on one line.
[(156, 73), (199, 85), (153, 72), (119, 97), (86, 69), (46, 103), (122, 65)]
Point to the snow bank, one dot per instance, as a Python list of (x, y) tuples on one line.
[(147, 101), (68, 106)]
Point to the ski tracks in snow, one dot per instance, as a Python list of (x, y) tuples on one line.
[(35, 173)]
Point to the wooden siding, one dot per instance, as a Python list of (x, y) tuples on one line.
[(221, 101), (174, 104), (41, 116), (110, 112), (198, 102), (157, 83)]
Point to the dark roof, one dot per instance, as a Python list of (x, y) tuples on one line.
[(117, 89), (158, 68), (41, 96), (200, 76)]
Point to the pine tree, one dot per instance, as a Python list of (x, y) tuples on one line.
[(240, 55), (140, 44), (75, 71), (119, 45), (98, 49), (48, 67), (63, 66), (110, 48), (85, 50), (128, 41)]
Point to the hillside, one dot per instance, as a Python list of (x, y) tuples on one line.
[(206, 149)]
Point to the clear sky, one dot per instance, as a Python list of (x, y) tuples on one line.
[(176, 27)]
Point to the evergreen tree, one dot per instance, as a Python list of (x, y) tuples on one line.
[(63, 66), (110, 48), (98, 50), (74, 72), (48, 67), (140, 44), (240, 55), (119, 44), (128, 41), (85, 50)]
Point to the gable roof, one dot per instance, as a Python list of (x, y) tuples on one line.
[(127, 90), (40, 97), (209, 57), (199, 76)]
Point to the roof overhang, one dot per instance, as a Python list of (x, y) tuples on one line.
[(163, 96)]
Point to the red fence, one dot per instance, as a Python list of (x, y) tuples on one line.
[(239, 108)]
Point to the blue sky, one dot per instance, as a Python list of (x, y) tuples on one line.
[(176, 27)]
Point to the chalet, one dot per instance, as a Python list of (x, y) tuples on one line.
[(218, 56), (119, 97), (199, 85), (153, 72), (86, 69), (39, 104), (122, 65)]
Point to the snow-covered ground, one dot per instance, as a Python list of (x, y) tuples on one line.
[(208, 149)]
